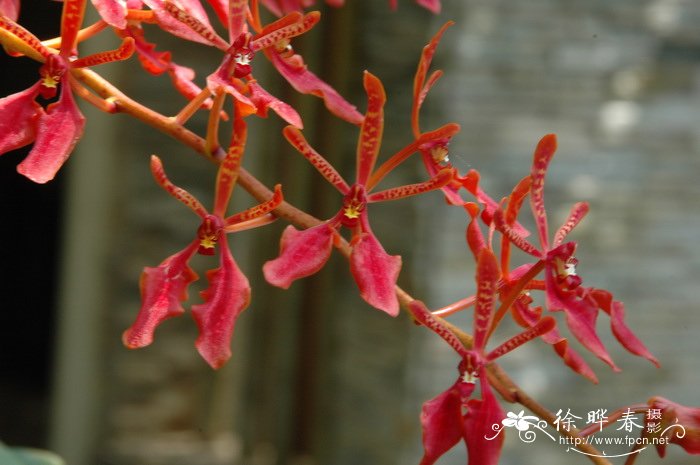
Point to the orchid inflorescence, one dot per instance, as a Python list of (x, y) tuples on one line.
[(493, 226)]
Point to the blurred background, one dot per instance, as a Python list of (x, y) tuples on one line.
[(318, 377)]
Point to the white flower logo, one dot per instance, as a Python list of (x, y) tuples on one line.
[(519, 421)]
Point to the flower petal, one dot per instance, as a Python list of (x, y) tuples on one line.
[(526, 316), (226, 297), (441, 419), (578, 211), (480, 417), (302, 253), (581, 319), (113, 12), (622, 332), (487, 275), (543, 155), (298, 141), (57, 133), (188, 22), (71, 21), (162, 290), (420, 86), (10, 8), (176, 192), (264, 100), (19, 114), (423, 316), (220, 79), (375, 272), (372, 128), (431, 5), (306, 82), (673, 417)]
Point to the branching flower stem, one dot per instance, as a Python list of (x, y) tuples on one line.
[(508, 389)]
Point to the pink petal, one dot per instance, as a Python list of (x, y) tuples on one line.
[(302, 253), (432, 5), (19, 114), (375, 272), (441, 419), (571, 358), (153, 61), (10, 8), (162, 290), (57, 133), (220, 79), (113, 12), (221, 8), (581, 318), (480, 417), (263, 100), (306, 82), (272, 6), (226, 297), (622, 332), (673, 413), (179, 29), (625, 335), (470, 182)]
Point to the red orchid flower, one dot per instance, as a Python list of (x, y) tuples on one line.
[(281, 7), (56, 129), (435, 154), (562, 286), (523, 313), (164, 287), (234, 75), (679, 424), (454, 415), (303, 253), (127, 18)]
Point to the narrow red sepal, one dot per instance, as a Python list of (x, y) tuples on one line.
[(543, 155)]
